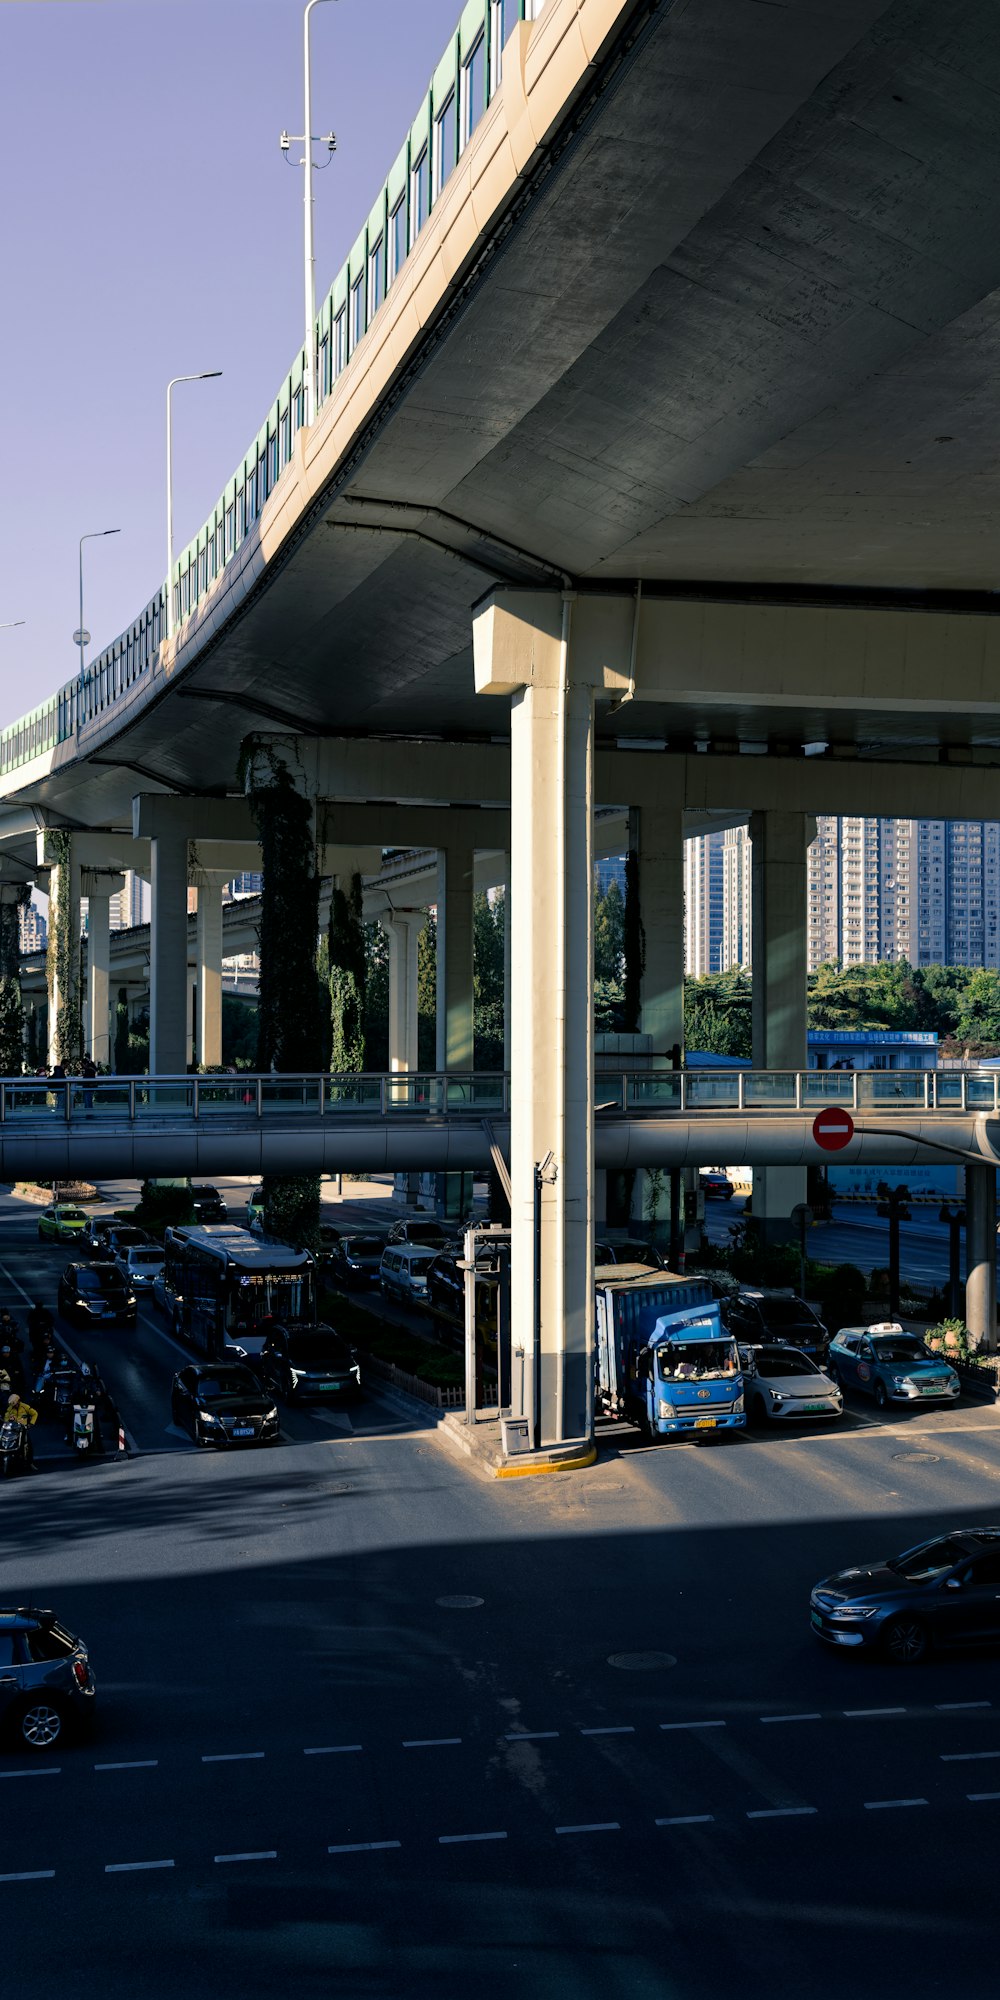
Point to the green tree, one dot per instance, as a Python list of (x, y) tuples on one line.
[(717, 1015), (376, 997), (11, 1007), (609, 934), (346, 949), (427, 995), (488, 919), (239, 1031)]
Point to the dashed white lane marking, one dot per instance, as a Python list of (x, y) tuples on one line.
[(692, 1725), (687, 1819), (143, 1764), (430, 1742), (50, 1771), (611, 1729), (332, 1749), (967, 1756), (30, 1875), (263, 1854), (364, 1846), (885, 1805), (531, 1735), (783, 1812), (814, 1716), (593, 1826), (952, 1707), (855, 1712), (462, 1839), (976, 1798), (133, 1867), (235, 1757)]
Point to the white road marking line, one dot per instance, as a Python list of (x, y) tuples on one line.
[(264, 1854), (50, 1771), (593, 1826), (430, 1742), (874, 1711), (975, 1798), (332, 1749), (235, 1757), (883, 1805), (133, 1867), (144, 1764), (814, 1716), (953, 1707), (692, 1725), (30, 1875), (783, 1812), (531, 1735), (611, 1729), (364, 1847), (460, 1839), (967, 1756), (687, 1819)]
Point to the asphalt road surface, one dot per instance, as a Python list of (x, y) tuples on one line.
[(374, 1727), (857, 1235)]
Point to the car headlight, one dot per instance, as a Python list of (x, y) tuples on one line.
[(130, 1299), (853, 1611), (271, 1415), (664, 1408), (296, 1375), (206, 1417), (901, 1382), (738, 1406), (356, 1372), (776, 1398)]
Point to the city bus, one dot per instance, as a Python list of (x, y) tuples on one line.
[(222, 1287)]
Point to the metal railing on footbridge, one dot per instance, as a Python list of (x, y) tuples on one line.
[(412, 1096)]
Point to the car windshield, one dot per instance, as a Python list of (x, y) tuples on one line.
[(418, 1264), (785, 1312), (228, 1382), (318, 1350), (697, 1360), (929, 1560), (99, 1281), (364, 1246), (784, 1361), (424, 1232), (888, 1349), (70, 1214), (126, 1237), (137, 1257)]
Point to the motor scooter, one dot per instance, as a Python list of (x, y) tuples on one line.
[(15, 1449), (85, 1433)]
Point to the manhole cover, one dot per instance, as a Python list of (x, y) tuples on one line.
[(926, 1457), (459, 1603), (641, 1663)]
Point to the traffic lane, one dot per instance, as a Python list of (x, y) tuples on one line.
[(608, 1908)]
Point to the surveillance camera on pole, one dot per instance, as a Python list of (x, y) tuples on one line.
[(307, 141)]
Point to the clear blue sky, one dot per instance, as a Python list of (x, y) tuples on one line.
[(150, 227)]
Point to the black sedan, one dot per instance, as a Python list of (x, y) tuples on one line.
[(355, 1260), (414, 1230), (223, 1404), (942, 1593), (208, 1205), (756, 1317), (91, 1293), (303, 1362)]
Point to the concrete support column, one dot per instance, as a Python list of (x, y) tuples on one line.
[(506, 960), (97, 1024), (58, 1000), (656, 835), (208, 952), (455, 889), (779, 844), (981, 1255), (523, 647), (403, 930), (168, 971)]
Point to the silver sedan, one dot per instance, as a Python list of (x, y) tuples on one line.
[(784, 1386)]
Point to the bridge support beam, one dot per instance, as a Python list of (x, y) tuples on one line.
[(523, 648), (454, 1014), (656, 834), (99, 886), (403, 930), (168, 973), (779, 844), (208, 957), (981, 1255)]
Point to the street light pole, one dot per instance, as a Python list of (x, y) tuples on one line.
[(81, 635), (309, 259), (206, 375)]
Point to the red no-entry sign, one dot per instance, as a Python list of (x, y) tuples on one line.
[(833, 1129)]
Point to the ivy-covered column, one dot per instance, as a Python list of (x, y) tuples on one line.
[(65, 997), (13, 897), (289, 1027), (346, 947)]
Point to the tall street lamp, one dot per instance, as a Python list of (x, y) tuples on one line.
[(81, 636), (329, 141), (206, 375)]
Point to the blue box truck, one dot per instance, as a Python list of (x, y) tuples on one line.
[(664, 1360)]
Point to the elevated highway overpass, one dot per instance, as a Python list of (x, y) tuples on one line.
[(673, 429)]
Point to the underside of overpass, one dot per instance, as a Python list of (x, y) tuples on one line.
[(702, 343)]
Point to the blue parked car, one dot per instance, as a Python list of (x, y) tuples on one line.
[(893, 1366)]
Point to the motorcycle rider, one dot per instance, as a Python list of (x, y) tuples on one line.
[(20, 1412)]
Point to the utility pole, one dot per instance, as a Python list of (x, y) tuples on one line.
[(893, 1204), (309, 257), (955, 1218)]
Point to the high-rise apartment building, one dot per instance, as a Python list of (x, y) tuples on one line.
[(704, 914), (131, 906), (34, 928)]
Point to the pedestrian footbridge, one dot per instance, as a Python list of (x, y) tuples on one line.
[(123, 1127)]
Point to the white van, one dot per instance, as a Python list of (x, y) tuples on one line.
[(403, 1270)]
